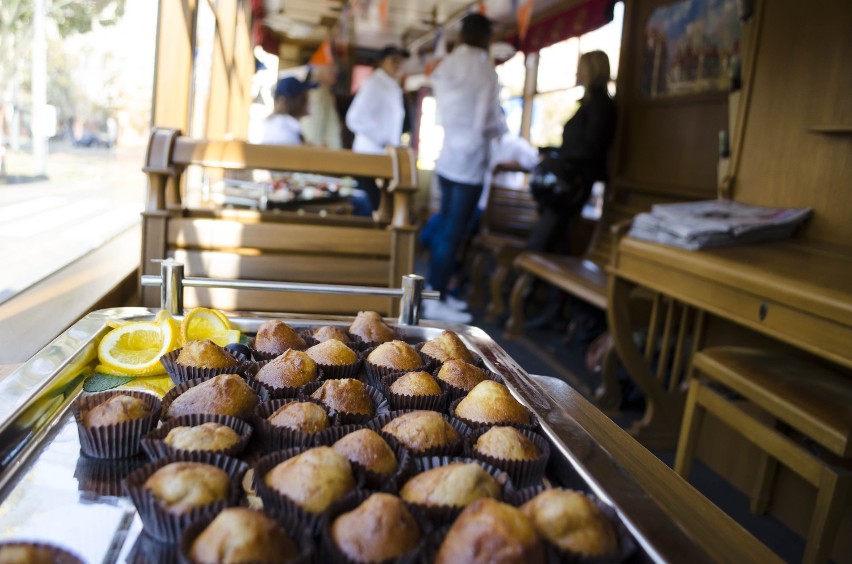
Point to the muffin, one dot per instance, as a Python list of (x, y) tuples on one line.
[(456, 484), (332, 353), (182, 486), (572, 522), (207, 436), (461, 374), (506, 443), (291, 369), (226, 394), (345, 395), (422, 430), (490, 402), (379, 529), (395, 355), (490, 527), (117, 409), (205, 354), (328, 332), (371, 328), (276, 337), (238, 534), (446, 347), (369, 450), (302, 416), (314, 479), (415, 384)]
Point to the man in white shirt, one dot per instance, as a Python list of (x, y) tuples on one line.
[(377, 113), (466, 91), (282, 127)]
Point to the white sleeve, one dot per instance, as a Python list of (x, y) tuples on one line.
[(494, 125), (364, 116)]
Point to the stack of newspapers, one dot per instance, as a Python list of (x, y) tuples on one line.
[(715, 223)]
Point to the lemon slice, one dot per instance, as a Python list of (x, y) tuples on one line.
[(202, 323), (226, 337), (135, 349)]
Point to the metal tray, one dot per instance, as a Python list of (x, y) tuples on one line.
[(41, 499)]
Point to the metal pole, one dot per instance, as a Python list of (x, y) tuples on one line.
[(171, 291), (412, 295)]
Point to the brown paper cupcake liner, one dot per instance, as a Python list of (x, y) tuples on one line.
[(532, 426), (272, 438), (340, 371), (308, 335), (430, 362), (405, 402), (104, 477), (281, 504), (455, 392), (172, 394), (294, 529), (380, 405), (120, 440), (330, 552), (273, 392), (179, 373), (444, 514), (148, 550), (376, 373), (155, 446), (455, 448), (626, 544), (157, 520), (56, 554), (524, 473)]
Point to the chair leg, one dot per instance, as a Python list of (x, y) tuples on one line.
[(608, 394), (477, 274), (515, 324), (693, 416), (831, 500), (496, 307), (761, 493)]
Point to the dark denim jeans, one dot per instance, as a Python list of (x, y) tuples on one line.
[(458, 209)]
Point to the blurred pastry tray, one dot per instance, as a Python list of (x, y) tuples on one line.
[(47, 491)]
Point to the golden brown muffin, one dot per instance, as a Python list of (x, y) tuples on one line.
[(332, 352), (416, 384), (182, 486), (379, 529), (117, 409), (326, 332), (396, 355), (26, 554), (491, 402), (275, 337), (447, 347), (239, 534), (313, 479), (422, 430), (461, 374), (368, 449), (572, 522), (456, 484), (226, 394), (346, 395), (370, 327), (494, 532), (205, 354), (302, 416), (207, 436), (289, 370), (506, 443)]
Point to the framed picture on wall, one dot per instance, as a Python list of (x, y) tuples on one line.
[(691, 47)]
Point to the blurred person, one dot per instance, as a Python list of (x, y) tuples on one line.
[(377, 113), (282, 126), (321, 126), (466, 91)]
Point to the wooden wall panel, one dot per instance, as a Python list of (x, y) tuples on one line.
[(174, 62), (802, 81)]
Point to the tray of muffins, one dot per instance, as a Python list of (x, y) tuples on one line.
[(325, 439)]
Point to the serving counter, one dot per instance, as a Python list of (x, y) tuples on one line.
[(46, 492)]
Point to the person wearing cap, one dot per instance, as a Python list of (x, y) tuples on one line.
[(466, 91), (377, 113), (282, 127)]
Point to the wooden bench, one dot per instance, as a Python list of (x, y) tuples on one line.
[(799, 394), (276, 245)]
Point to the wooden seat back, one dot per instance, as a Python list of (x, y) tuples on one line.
[(509, 211)]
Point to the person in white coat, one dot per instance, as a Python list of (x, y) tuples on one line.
[(377, 113)]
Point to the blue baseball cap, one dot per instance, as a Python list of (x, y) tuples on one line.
[(290, 87)]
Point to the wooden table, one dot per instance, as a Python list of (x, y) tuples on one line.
[(794, 292)]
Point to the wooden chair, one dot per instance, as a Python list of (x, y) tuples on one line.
[(800, 394)]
